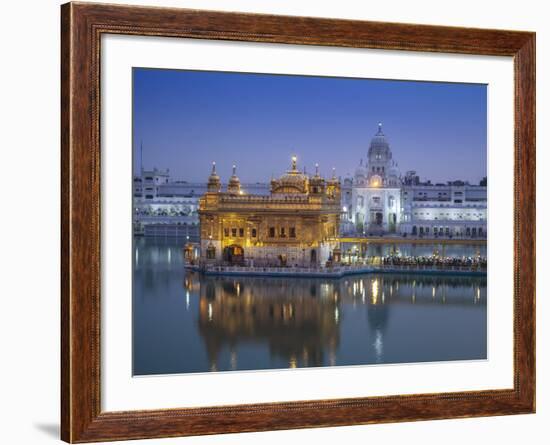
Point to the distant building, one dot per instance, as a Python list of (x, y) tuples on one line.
[(383, 201), (376, 191), (163, 207), (147, 185), (447, 210), (296, 224), (411, 178)]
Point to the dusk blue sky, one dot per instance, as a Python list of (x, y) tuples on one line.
[(187, 119)]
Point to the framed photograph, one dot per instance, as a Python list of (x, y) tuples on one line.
[(274, 222)]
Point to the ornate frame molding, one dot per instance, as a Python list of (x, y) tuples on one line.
[(82, 25)]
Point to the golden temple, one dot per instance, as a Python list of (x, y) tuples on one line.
[(297, 224)]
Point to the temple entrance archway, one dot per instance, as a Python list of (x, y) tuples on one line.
[(233, 254), (313, 256)]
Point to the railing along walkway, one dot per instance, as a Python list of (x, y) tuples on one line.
[(337, 271)]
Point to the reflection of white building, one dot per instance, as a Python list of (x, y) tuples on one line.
[(379, 200)]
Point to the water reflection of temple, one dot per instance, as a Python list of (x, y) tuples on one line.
[(300, 327), (299, 320)]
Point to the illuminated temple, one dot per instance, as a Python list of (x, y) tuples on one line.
[(297, 224)]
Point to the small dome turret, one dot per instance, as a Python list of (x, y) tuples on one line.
[(333, 186), (317, 175), (360, 171), (334, 179), (316, 182), (234, 186), (214, 183)]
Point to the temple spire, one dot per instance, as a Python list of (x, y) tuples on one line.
[(214, 183), (294, 160), (234, 185), (379, 127)]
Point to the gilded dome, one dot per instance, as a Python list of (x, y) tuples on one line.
[(293, 181), (214, 183), (234, 185)]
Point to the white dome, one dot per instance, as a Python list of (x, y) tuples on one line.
[(379, 149)]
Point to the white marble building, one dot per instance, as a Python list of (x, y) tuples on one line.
[(456, 210), (379, 200), (376, 190)]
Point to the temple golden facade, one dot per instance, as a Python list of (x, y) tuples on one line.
[(297, 224)]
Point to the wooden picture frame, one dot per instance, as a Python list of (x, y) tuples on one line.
[(82, 25)]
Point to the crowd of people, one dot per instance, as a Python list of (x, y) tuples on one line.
[(435, 261)]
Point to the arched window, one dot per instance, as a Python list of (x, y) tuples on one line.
[(375, 181)]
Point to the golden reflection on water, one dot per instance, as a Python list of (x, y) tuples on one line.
[(232, 323), (300, 319), (374, 291)]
